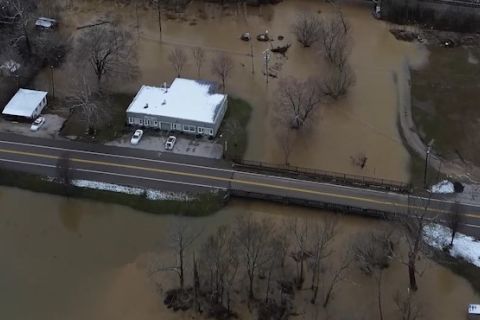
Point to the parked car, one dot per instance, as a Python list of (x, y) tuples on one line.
[(37, 123), (136, 137), (170, 143)]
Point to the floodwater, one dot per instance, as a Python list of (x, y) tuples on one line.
[(364, 122), (72, 259)]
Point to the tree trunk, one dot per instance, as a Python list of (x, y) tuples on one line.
[(250, 287), (411, 273), (453, 237), (379, 294), (159, 19), (328, 296), (181, 269)]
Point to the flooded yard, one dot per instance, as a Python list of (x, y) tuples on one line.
[(364, 122), (70, 259)]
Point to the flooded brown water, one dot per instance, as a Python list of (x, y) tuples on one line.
[(71, 259), (362, 123)]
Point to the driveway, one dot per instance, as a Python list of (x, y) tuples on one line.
[(194, 147), (49, 129)]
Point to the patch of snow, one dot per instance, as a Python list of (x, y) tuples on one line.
[(444, 186), (465, 247), (150, 193), (471, 58)]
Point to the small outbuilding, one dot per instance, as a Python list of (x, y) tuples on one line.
[(45, 23), (190, 106), (26, 104)]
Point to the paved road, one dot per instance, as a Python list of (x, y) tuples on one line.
[(164, 170)]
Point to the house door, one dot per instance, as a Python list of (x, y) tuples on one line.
[(166, 126)]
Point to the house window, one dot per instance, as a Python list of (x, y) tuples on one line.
[(189, 128), (200, 130), (131, 120), (140, 121), (155, 123), (177, 126), (210, 132), (147, 122)]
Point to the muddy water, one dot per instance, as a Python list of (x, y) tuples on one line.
[(362, 123), (71, 259)]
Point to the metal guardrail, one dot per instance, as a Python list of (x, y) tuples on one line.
[(322, 176), (461, 3)]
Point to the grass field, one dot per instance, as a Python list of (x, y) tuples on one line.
[(445, 98), (111, 129), (234, 128)]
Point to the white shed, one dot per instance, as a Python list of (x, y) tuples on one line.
[(26, 104), (45, 23)]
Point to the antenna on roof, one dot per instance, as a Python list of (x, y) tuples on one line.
[(164, 102), (146, 106)]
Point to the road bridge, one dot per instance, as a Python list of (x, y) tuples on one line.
[(164, 170)]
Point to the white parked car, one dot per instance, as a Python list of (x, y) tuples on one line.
[(37, 123), (136, 137), (170, 143)]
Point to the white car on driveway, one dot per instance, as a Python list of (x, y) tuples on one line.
[(170, 143), (37, 123), (136, 137)]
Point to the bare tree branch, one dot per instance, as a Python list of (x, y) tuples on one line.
[(178, 60), (222, 67)]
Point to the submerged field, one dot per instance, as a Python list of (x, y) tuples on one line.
[(445, 95)]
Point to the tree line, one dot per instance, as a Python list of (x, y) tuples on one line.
[(265, 264)]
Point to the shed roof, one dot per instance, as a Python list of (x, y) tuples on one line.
[(185, 99), (24, 103), (45, 22)]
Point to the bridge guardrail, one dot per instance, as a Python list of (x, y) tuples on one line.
[(322, 176)]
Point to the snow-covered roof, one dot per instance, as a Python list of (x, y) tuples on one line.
[(45, 22), (185, 99), (474, 309), (24, 102)]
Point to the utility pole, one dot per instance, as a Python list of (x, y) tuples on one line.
[(429, 150), (251, 55), (138, 21), (52, 81), (266, 53)]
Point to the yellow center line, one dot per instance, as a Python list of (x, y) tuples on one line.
[(240, 181)]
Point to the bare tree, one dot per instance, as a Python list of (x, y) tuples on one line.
[(413, 225), (17, 15), (199, 58), (178, 59), (407, 306), (322, 237), (109, 51), (335, 39), (307, 28), (91, 104), (222, 67), (300, 253), (454, 220), (221, 261), (298, 101), (373, 253), (337, 81), (181, 238), (338, 275), (285, 138), (253, 240), (64, 170)]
